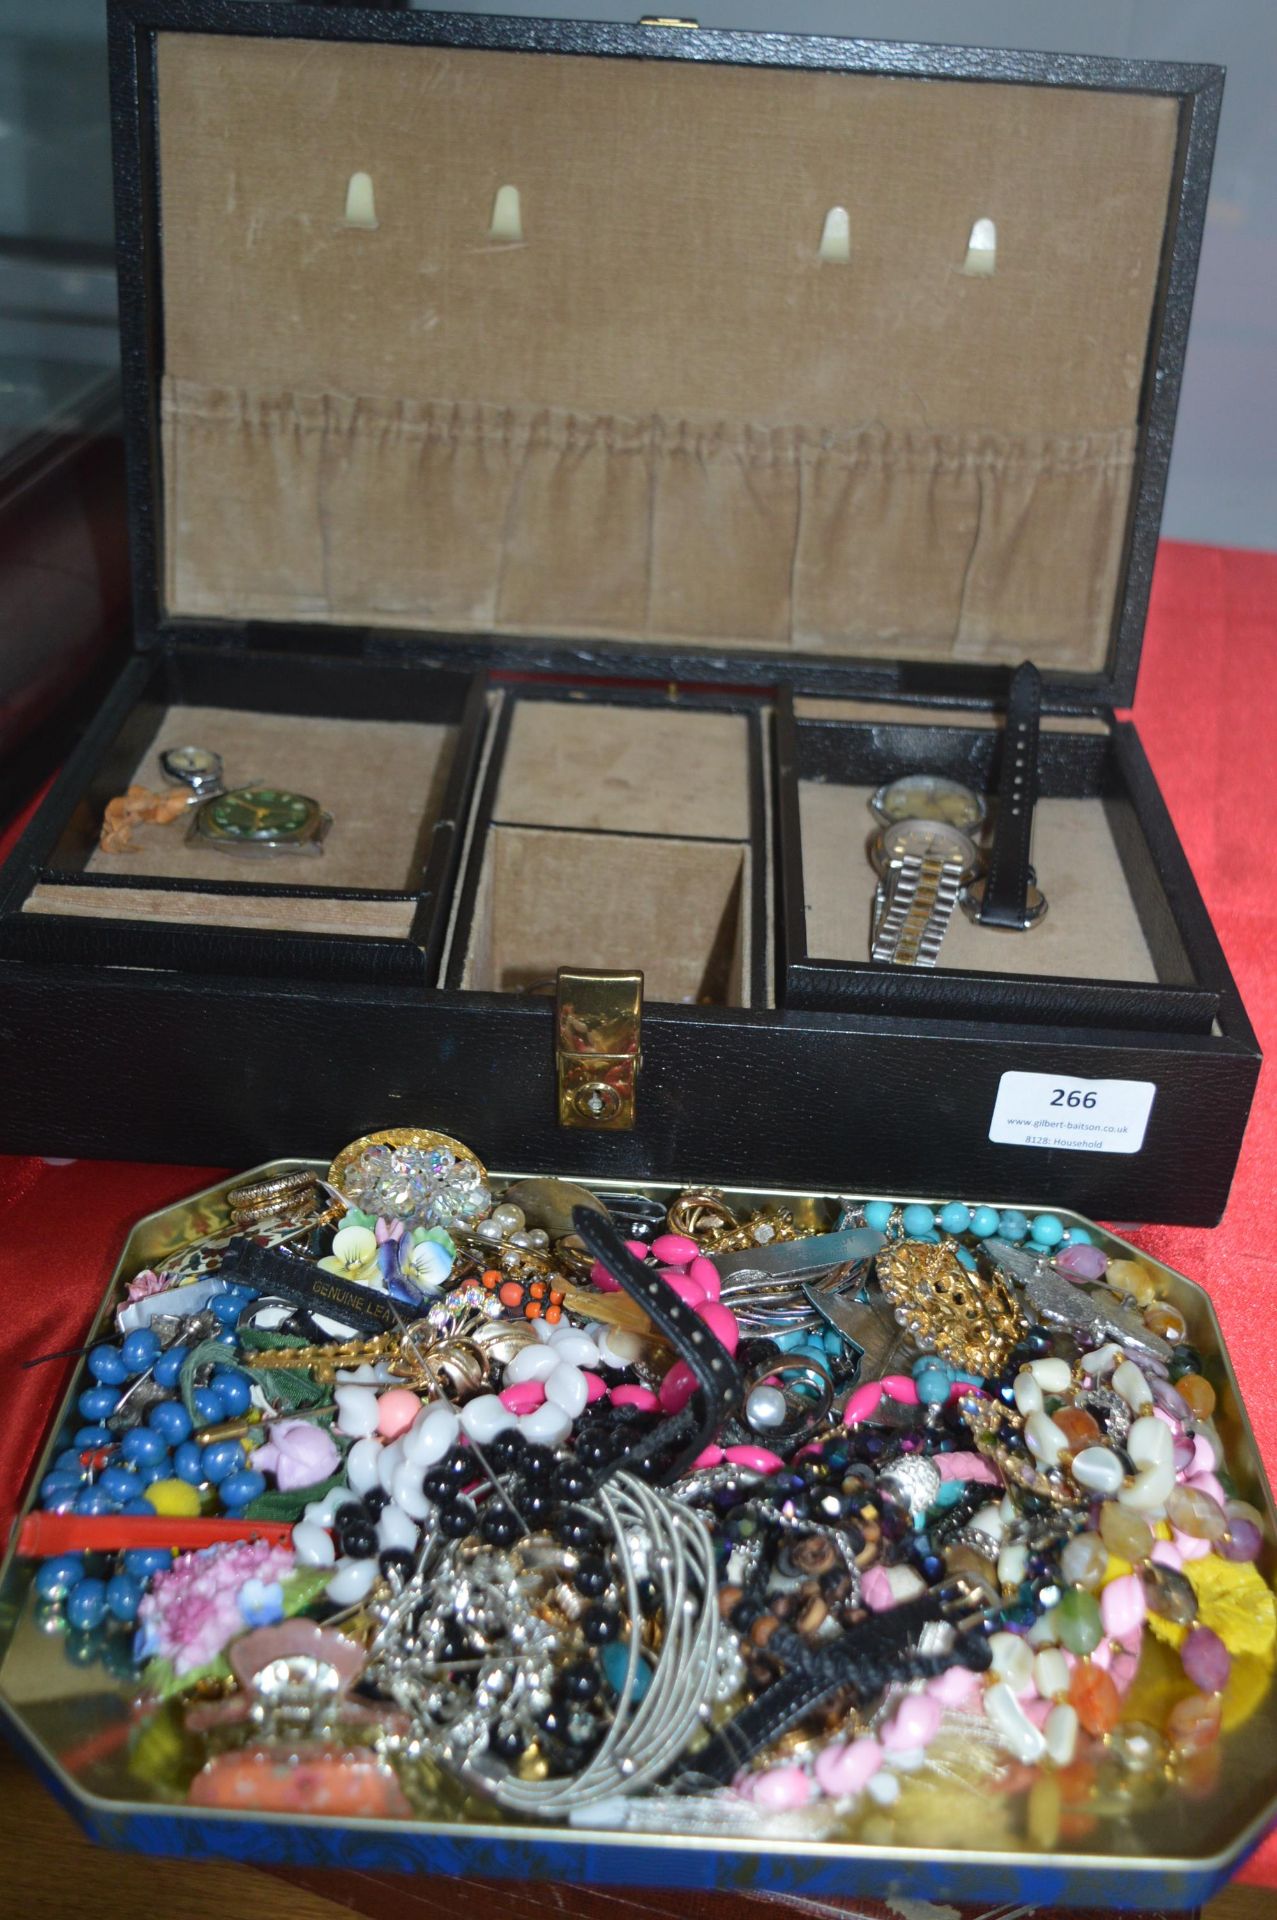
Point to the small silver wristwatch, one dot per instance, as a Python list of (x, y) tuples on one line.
[(198, 768)]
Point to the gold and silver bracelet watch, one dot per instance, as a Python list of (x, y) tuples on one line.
[(922, 866)]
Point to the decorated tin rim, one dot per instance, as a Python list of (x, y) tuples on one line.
[(1188, 1853)]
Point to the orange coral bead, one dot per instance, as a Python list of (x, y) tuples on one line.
[(1077, 1780), (1198, 1773), (1193, 1723), (491, 1278), (1199, 1394), (533, 1310), (1167, 1321), (340, 1784), (511, 1294), (1075, 1825), (553, 1314), (1080, 1428), (1094, 1698)]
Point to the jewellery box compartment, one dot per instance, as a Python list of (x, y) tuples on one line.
[(387, 751), (1125, 942), (622, 833)]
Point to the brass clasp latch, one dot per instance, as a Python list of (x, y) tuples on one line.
[(596, 1029)]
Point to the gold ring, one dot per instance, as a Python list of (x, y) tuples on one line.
[(251, 1194), (284, 1215)]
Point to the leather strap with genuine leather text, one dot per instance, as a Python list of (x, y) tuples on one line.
[(287, 1276)]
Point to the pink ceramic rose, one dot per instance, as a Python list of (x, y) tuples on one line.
[(298, 1453), (146, 1283), (205, 1599)]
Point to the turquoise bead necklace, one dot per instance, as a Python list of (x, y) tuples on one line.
[(916, 1221)]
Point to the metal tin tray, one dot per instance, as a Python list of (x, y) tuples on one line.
[(75, 1724)]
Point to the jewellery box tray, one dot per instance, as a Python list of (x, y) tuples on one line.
[(76, 1726), (1125, 941), (582, 553)]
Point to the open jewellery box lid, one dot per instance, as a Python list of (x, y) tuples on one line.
[(647, 350)]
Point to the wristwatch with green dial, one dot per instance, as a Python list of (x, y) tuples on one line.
[(260, 820)]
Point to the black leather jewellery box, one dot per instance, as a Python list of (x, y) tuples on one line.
[(588, 461)]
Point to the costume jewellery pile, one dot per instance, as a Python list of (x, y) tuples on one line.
[(613, 1511)]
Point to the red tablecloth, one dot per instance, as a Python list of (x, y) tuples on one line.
[(1207, 713)]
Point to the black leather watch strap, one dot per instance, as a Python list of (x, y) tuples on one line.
[(288, 1277), (676, 1441), (787, 1701), (1006, 884), (861, 1662)]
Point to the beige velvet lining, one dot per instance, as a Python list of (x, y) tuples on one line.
[(627, 894), (369, 919), (1091, 930), (660, 416), (673, 908), (953, 546), (627, 769), (381, 780)]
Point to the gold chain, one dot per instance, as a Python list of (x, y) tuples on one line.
[(703, 1215)]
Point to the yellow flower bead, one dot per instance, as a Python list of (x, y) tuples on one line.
[(1234, 1599), (177, 1499)]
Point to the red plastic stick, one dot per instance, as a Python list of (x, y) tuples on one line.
[(43, 1534)]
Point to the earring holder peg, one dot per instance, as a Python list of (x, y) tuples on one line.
[(361, 204)]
